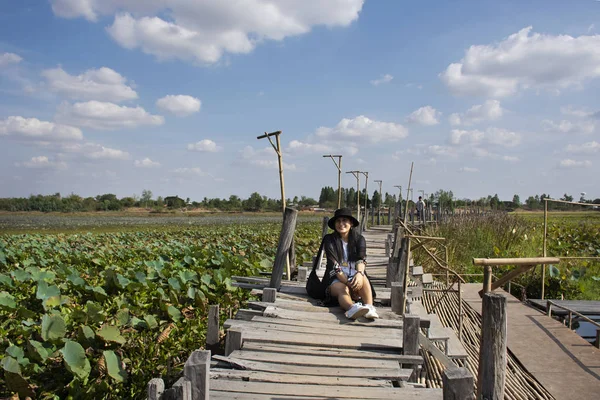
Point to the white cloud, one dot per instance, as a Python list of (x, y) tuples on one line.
[(568, 163), (205, 145), (483, 153), (264, 158), (564, 126), (146, 163), (387, 78), (94, 84), (9, 58), (586, 148), (363, 128), (189, 172), (576, 112), (34, 129), (105, 116), (106, 153), (440, 150), (488, 111), (180, 105), (468, 169), (203, 31), (424, 116), (93, 151), (525, 60), (494, 136), (297, 146), (42, 162), (75, 8)]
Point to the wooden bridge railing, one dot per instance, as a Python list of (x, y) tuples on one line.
[(550, 304)]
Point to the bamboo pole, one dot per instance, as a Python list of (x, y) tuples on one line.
[(515, 261), (545, 241), (408, 191)]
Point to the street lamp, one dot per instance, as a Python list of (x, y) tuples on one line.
[(356, 175), (380, 199), (339, 168)]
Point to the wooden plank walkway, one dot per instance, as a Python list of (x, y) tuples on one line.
[(563, 362), (294, 349)]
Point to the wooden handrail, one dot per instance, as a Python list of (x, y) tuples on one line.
[(516, 261), (550, 303)]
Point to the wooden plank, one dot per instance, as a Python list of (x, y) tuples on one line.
[(331, 317), (585, 307), (323, 351), (267, 336), (344, 324), (273, 377), (314, 360), (220, 395), (394, 374), (313, 327), (335, 391), (417, 271), (456, 350)]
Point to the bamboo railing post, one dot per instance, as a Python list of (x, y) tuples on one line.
[(487, 279), (549, 308), (233, 340), (457, 384), (492, 356), (285, 241), (460, 311), (269, 295), (397, 296), (410, 338), (212, 333), (197, 371), (155, 389)]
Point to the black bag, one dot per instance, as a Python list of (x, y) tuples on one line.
[(315, 288)]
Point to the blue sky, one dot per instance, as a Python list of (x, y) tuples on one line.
[(118, 96)]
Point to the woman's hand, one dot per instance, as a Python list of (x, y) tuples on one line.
[(357, 282)]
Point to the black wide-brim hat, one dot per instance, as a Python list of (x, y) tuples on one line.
[(342, 212)]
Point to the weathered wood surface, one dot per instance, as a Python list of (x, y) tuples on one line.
[(335, 391), (492, 356), (559, 359)]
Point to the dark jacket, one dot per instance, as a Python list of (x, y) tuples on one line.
[(332, 246)]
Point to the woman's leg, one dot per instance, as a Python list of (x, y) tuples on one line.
[(339, 290), (365, 292)]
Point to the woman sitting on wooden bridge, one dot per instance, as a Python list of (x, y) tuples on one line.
[(345, 277)]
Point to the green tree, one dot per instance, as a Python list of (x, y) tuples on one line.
[(516, 201), (146, 197)]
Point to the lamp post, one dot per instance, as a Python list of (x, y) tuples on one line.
[(366, 174), (339, 168), (356, 175), (380, 200)]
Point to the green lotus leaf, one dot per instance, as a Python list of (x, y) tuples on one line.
[(7, 301), (75, 359), (113, 365), (140, 276), (55, 301), (191, 292), (554, 272), (39, 275), (206, 279), (123, 316), (187, 276), (45, 291), (85, 335), (188, 260), (151, 321), (95, 313), (38, 349), (110, 333), (10, 364), (138, 323), (174, 283), (15, 351), (6, 280), (174, 313), (123, 282), (53, 327), (20, 275), (76, 280)]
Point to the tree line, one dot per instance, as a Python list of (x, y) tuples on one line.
[(328, 199)]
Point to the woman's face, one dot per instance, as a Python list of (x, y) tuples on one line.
[(343, 225)]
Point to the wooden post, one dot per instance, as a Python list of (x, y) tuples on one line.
[(487, 279), (302, 274), (544, 251), (156, 387), (410, 334), (233, 341), (388, 245), (285, 240), (325, 227), (408, 191), (269, 295), (389, 215), (457, 384), (181, 390), (212, 333), (397, 297), (460, 311), (549, 308), (197, 371), (492, 356), (598, 338), (406, 261)]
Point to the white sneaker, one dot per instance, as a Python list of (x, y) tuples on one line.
[(356, 311), (372, 314)]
